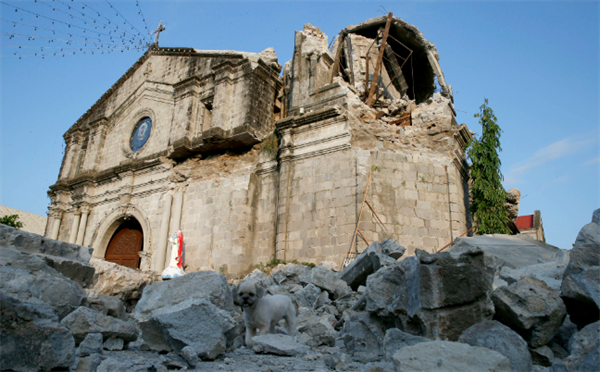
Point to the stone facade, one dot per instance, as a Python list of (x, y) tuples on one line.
[(298, 195)]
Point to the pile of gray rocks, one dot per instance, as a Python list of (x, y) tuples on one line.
[(488, 303)]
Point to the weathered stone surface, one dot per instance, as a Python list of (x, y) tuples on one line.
[(113, 344), (585, 351), (108, 305), (496, 336), (374, 257), (27, 242), (510, 258), (288, 274), (542, 356), (448, 356), (327, 280), (356, 273), (394, 289), (196, 322), (565, 333), (28, 278), (85, 320), (319, 330), (362, 335), (32, 338), (395, 340), (202, 284), (308, 296), (392, 248), (89, 363), (259, 277), (81, 273), (278, 345), (580, 287), (119, 281), (91, 344), (531, 308)]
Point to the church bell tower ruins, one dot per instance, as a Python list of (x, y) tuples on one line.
[(254, 161)]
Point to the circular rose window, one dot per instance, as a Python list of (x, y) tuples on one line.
[(140, 134)]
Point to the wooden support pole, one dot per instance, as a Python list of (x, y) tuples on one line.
[(379, 59)]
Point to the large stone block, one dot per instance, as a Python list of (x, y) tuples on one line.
[(363, 335), (324, 278), (395, 340), (585, 351), (32, 338), (530, 308), (201, 284), (496, 336), (445, 356), (511, 258), (28, 278), (580, 287), (196, 322)]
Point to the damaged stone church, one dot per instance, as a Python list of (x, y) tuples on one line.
[(252, 161)]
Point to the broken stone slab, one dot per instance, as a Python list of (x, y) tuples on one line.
[(88, 363), (319, 330), (308, 296), (108, 305), (80, 272), (530, 308), (198, 285), (446, 356), (196, 322), (395, 340), (374, 257), (32, 337), (91, 344), (36, 244), (327, 280), (288, 274), (27, 277), (119, 281), (496, 336), (510, 258), (362, 335), (279, 345), (580, 287), (85, 320)]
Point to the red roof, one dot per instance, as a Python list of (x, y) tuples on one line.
[(524, 222)]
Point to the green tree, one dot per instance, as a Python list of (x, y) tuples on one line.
[(487, 193), (11, 221)]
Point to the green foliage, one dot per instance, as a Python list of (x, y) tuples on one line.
[(270, 145), (487, 193), (375, 168), (11, 221), (269, 266)]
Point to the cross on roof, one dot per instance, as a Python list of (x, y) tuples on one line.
[(158, 30)]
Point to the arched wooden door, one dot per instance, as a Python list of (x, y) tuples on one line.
[(125, 244)]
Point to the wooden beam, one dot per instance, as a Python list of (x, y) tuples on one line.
[(379, 59)]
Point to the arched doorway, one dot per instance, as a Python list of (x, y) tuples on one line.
[(125, 244)]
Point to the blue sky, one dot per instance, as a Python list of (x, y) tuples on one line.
[(537, 63)]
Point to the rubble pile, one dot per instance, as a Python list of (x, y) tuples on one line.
[(453, 310)]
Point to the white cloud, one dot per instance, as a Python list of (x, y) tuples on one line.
[(596, 160), (554, 151)]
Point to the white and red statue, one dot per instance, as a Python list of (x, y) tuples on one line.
[(175, 267)]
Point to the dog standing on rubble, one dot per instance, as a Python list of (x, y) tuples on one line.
[(262, 313)]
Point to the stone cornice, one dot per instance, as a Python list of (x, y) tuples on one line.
[(94, 176)]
